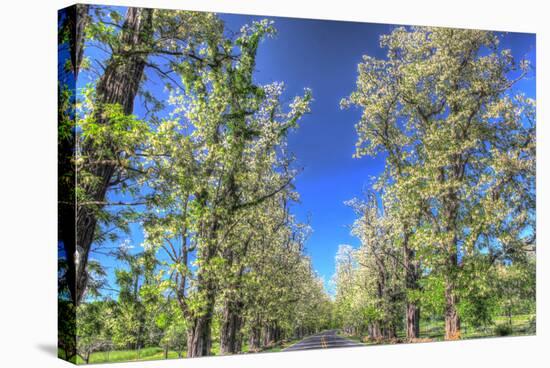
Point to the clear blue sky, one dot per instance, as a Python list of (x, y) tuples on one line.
[(323, 55)]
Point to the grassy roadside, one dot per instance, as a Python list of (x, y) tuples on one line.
[(151, 353), (435, 330), (157, 353)]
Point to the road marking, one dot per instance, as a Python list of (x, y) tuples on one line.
[(321, 341)]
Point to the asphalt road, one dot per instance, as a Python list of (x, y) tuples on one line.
[(324, 340)]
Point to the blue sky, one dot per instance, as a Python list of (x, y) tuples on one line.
[(323, 55)]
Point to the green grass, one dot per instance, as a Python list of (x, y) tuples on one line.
[(152, 353), (435, 329)]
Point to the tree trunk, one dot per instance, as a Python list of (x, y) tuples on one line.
[(413, 321), (451, 208), (76, 38), (74, 23), (199, 341), (412, 275), (278, 334), (452, 320), (374, 331), (232, 321), (118, 85), (268, 335), (255, 336), (231, 328), (391, 331)]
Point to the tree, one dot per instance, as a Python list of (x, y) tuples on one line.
[(442, 98), (140, 299), (515, 288), (379, 270), (173, 328), (92, 332), (346, 292), (214, 163), (110, 142)]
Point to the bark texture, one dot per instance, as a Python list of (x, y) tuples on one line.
[(412, 275), (231, 338), (118, 85), (199, 340), (452, 319), (254, 341), (199, 337)]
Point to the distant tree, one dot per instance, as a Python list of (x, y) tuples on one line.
[(516, 289), (92, 332), (173, 328), (139, 299), (379, 274)]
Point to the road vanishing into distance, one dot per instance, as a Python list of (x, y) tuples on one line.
[(324, 340)]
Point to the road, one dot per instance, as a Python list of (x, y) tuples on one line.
[(324, 340)]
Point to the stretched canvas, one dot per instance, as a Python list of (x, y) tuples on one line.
[(237, 184)]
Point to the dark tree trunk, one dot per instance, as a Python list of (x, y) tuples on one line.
[(199, 341), (412, 274), (413, 321), (390, 332), (231, 328), (72, 31), (255, 336), (412, 308), (267, 335), (278, 334), (118, 85), (66, 204), (231, 337), (76, 40), (374, 331), (451, 206), (271, 334), (452, 320), (199, 337)]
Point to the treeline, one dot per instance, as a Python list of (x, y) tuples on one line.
[(448, 230), (205, 174)]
